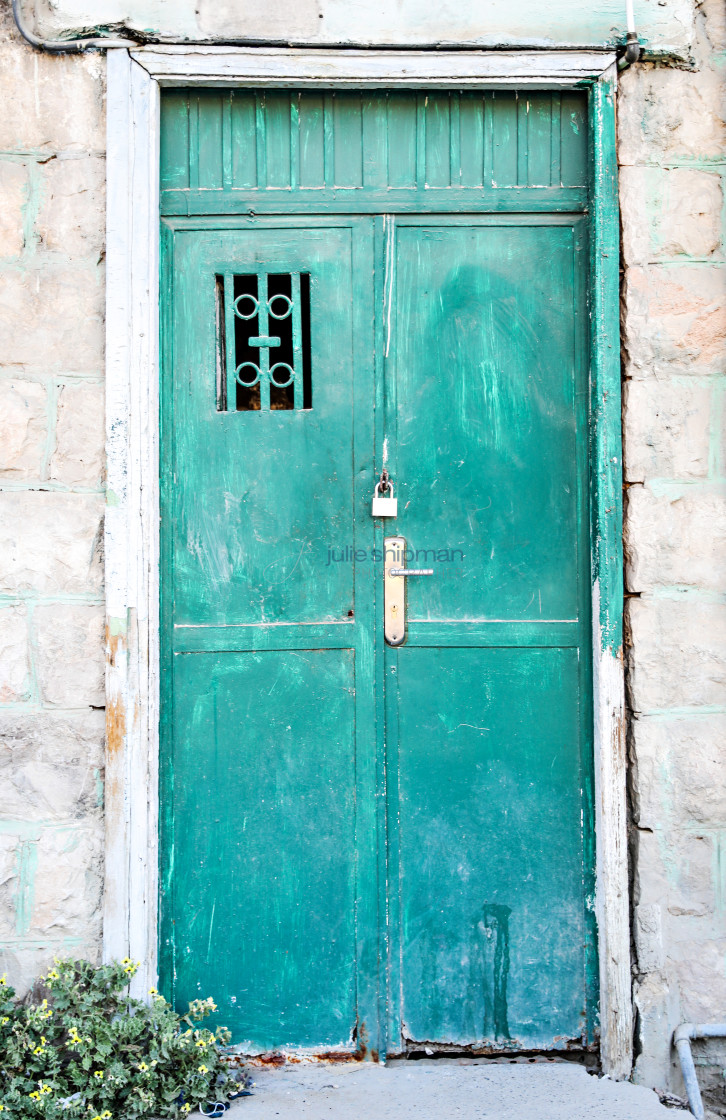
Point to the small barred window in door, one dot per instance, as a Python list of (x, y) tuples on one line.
[(263, 342)]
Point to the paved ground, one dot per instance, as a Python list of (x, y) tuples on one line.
[(444, 1089)]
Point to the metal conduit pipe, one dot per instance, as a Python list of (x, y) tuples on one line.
[(632, 42), (60, 46), (682, 1040)]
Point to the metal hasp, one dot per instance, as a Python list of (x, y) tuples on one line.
[(394, 589), (682, 1040)]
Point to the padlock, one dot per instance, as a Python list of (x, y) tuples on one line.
[(384, 507)]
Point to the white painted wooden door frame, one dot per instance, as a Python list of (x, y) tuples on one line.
[(132, 507)]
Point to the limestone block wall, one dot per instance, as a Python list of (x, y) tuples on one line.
[(52, 141), (672, 152)]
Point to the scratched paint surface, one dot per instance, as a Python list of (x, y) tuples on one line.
[(357, 840), (488, 364)]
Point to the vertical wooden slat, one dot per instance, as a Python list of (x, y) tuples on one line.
[(278, 138), (504, 139), (297, 354), (229, 346), (555, 174), (348, 170), (329, 139), (244, 140), (210, 139), (194, 141), (438, 140), (489, 107), (375, 154), (523, 110), (294, 141), (402, 140), (263, 325), (227, 140), (574, 140), (455, 139), (261, 139), (471, 139), (539, 141), (421, 140), (311, 143), (174, 158)]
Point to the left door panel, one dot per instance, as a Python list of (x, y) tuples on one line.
[(268, 856)]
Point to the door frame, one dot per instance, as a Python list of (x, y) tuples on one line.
[(135, 79)]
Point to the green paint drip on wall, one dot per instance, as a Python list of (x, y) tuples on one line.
[(27, 865)]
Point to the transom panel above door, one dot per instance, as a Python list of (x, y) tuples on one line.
[(368, 846)]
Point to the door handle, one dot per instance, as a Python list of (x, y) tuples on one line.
[(394, 589)]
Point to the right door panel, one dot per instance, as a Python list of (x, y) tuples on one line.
[(489, 701)]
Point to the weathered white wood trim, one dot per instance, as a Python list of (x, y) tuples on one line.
[(612, 902), (294, 67), (132, 512), (132, 518)]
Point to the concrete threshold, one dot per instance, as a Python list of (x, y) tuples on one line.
[(445, 1089)]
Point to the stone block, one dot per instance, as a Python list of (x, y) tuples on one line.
[(79, 454), (666, 114), (679, 770), (51, 318), (714, 13), (14, 195), (675, 540), (51, 882), (23, 429), (50, 102), (658, 1014), (69, 644), (69, 884), (51, 764), (23, 963), (648, 933), (678, 654), (72, 215), (699, 974), (50, 542), (669, 213), (15, 681), (667, 429), (674, 320)]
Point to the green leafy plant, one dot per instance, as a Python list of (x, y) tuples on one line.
[(81, 1047)]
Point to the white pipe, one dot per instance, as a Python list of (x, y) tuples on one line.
[(682, 1039), (630, 15)]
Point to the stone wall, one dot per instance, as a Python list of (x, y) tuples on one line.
[(672, 148), (52, 142), (671, 141)]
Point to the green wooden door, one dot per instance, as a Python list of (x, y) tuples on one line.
[(366, 847), (488, 702)]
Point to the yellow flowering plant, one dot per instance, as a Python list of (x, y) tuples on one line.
[(79, 1047)]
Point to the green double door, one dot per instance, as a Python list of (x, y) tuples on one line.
[(365, 846)]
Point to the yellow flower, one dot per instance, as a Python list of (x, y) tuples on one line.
[(153, 992), (203, 1069), (98, 1074), (4, 978), (201, 1042), (52, 975), (186, 1108), (143, 1066)]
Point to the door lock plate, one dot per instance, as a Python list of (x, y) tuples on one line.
[(394, 591)]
